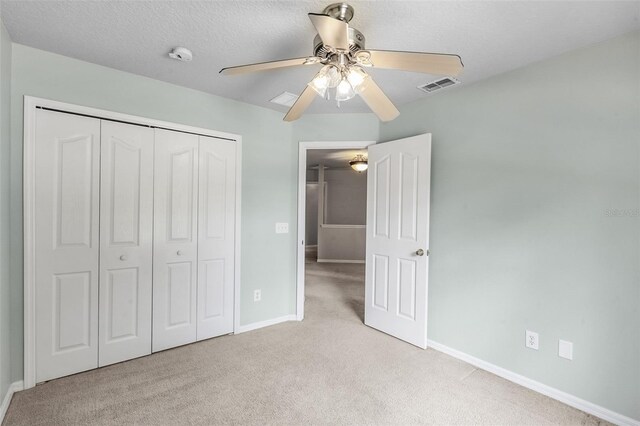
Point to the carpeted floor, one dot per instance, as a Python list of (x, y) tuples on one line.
[(328, 369)]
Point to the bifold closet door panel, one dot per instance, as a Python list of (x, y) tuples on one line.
[(216, 237), (67, 179), (126, 241), (175, 252)]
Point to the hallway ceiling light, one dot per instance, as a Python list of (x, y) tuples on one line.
[(359, 163)]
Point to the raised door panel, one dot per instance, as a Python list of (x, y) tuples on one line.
[(179, 306), (122, 305), (381, 197), (213, 289), (180, 196), (216, 237), (67, 155), (408, 197), (380, 282), (126, 213), (73, 191), (175, 239), (72, 311), (407, 289)]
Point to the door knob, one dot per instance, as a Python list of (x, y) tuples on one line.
[(123, 257), (420, 252), (179, 252)]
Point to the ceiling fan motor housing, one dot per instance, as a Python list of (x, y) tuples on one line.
[(356, 42)]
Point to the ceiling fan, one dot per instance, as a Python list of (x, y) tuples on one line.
[(341, 50)]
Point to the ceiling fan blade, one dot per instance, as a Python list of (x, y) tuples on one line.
[(379, 103), (264, 66), (303, 102), (429, 63), (333, 32)]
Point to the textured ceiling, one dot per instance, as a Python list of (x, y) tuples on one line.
[(135, 36)]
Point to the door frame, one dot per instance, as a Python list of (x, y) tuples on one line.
[(303, 147), (31, 104)]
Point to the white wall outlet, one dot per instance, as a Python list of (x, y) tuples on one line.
[(565, 349), (257, 295), (531, 340), (282, 228)]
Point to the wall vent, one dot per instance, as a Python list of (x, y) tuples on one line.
[(285, 99), (438, 84)]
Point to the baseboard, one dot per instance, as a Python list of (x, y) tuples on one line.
[(13, 388), (266, 323), (339, 261), (311, 246), (573, 401)]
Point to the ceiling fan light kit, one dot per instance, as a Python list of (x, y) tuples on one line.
[(340, 49)]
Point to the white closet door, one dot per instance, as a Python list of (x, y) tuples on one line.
[(216, 237), (175, 239), (126, 228), (66, 243)]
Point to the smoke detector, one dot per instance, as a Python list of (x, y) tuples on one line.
[(181, 54)]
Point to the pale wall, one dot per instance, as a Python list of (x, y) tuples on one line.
[(346, 197), (5, 146), (525, 167)]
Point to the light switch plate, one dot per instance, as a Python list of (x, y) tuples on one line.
[(565, 349), (282, 228)]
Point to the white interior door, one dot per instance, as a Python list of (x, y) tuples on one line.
[(126, 244), (175, 250), (67, 163), (216, 240), (398, 186)]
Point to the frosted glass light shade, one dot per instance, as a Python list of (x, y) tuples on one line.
[(359, 163), (356, 77), (328, 77), (344, 91)]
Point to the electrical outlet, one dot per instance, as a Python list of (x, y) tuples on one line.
[(565, 349), (531, 340), (282, 228), (257, 295)]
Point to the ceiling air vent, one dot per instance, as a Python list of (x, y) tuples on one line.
[(439, 84), (285, 99)]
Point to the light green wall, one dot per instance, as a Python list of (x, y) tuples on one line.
[(268, 177), (335, 127), (525, 167), (5, 144)]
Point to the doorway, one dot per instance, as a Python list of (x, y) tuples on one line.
[(331, 223), (396, 241)]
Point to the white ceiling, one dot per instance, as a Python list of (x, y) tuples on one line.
[(332, 158), (135, 36)]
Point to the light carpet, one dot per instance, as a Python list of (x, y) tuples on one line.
[(328, 369)]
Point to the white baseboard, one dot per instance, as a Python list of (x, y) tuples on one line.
[(339, 261), (13, 388), (266, 323), (573, 401)]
